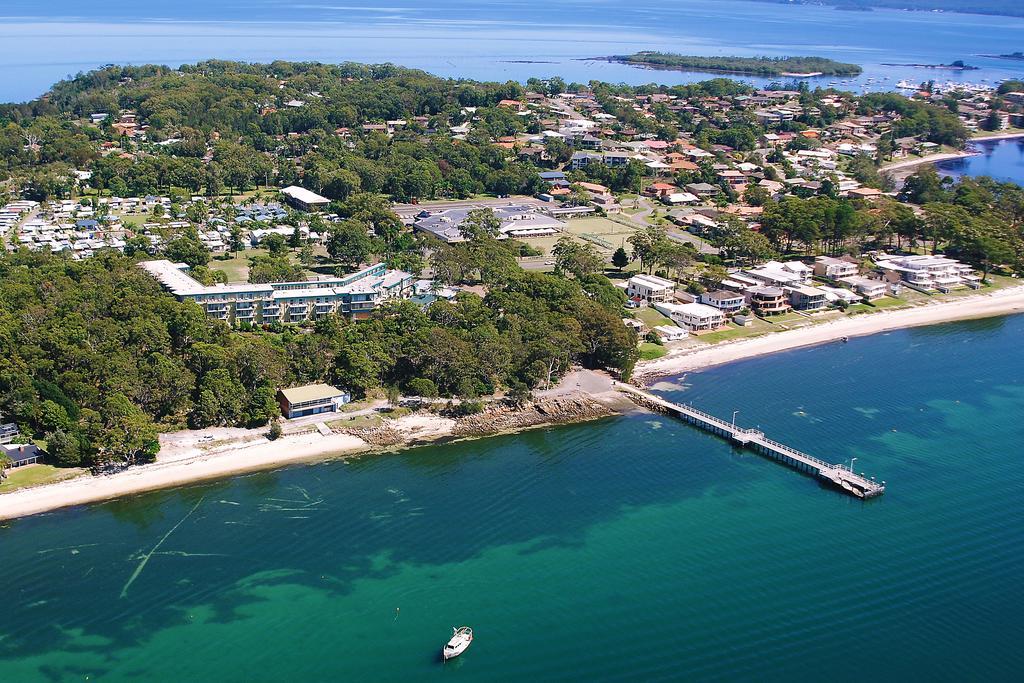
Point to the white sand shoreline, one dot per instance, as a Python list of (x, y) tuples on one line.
[(1001, 302), (184, 459)]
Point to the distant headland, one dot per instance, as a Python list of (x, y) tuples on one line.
[(1019, 56), (754, 66)]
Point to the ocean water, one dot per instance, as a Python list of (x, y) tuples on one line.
[(634, 548), (41, 42), (999, 159)]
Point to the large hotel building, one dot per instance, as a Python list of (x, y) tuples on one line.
[(355, 295)]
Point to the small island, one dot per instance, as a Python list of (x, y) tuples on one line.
[(795, 67), (1018, 56), (958, 65)]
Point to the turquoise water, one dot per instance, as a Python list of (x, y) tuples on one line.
[(634, 548), (41, 42), (1002, 160)]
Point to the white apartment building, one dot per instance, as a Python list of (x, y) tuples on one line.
[(355, 295), (930, 272)]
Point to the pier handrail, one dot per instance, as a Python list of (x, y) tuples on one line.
[(834, 472)]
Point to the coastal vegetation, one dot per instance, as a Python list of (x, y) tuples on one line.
[(97, 360), (760, 66)]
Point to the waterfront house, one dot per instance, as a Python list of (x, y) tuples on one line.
[(650, 288), (22, 453), (671, 333), (804, 298), (725, 301), (834, 268), (929, 272), (867, 288), (775, 274), (311, 399), (694, 317), (768, 300)]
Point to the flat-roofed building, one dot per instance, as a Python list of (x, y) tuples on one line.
[(355, 295), (804, 298), (930, 272), (311, 399), (518, 221), (834, 268), (650, 288), (694, 317), (303, 199), (725, 301), (867, 288)]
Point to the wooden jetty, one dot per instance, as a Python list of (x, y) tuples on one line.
[(841, 476)]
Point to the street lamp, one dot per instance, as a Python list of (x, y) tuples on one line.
[(734, 413)]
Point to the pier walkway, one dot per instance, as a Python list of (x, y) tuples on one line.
[(841, 476)]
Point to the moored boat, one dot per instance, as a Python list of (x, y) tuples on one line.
[(459, 642)]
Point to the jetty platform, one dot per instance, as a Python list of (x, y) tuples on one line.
[(841, 476)]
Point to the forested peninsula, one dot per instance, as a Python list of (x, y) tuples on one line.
[(757, 66)]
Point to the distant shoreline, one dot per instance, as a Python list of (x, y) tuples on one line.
[(1001, 302), (759, 67), (900, 168)]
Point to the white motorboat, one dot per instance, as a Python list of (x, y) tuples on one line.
[(459, 643)]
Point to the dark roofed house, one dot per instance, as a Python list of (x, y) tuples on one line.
[(22, 453), (703, 189)]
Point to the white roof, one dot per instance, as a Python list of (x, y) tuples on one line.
[(303, 195), (652, 281)]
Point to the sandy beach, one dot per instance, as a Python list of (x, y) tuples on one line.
[(1001, 302), (191, 456), (187, 457), (907, 166)]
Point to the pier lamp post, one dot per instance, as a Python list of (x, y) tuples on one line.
[(852, 460), (734, 414)]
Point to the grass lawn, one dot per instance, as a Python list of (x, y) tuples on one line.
[(650, 317), (35, 475), (371, 420), (237, 267), (649, 351), (757, 328)]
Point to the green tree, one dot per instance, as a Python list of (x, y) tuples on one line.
[(349, 242), (620, 259)]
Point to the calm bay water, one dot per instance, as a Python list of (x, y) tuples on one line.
[(634, 548), (43, 42), (1001, 159)]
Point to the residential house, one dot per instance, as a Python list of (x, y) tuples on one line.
[(768, 300), (725, 301), (670, 333), (804, 298), (694, 317), (866, 287), (930, 272), (834, 268), (650, 288), (312, 399), (22, 453)]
